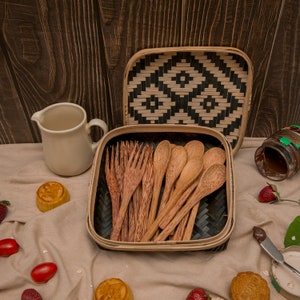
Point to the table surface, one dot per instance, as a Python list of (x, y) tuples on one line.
[(60, 235)]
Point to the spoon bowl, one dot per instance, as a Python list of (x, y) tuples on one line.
[(214, 155), (194, 149)]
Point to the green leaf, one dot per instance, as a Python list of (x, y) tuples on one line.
[(292, 236), (273, 186), (4, 202)]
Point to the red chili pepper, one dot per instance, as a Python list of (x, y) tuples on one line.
[(8, 247)]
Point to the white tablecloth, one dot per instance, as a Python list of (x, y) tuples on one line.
[(60, 235)]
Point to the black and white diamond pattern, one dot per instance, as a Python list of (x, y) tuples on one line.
[(203, 88)]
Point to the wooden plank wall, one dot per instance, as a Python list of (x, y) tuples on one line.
[(54, 51)]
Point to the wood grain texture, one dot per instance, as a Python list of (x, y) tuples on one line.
[(13, 124), (54, 51), (53, 54), (129, 26), (279, 102)]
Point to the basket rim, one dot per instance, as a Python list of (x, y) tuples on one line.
[(200, 244)]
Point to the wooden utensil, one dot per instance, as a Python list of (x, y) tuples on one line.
[(112, 183), (180, 229), (161, 159), (212, 156), (133, 174), (141, 199), (188, 175), (147, 189), (213, 178), (119, 163), (194, 148), (176, 164), (125, 150)]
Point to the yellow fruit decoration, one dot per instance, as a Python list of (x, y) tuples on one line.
[(113, 289), (50, 195)]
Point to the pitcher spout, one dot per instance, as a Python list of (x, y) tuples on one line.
[(36, 117)]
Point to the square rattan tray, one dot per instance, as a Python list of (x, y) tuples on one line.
[(215, 218)]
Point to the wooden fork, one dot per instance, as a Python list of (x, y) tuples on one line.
[(112, 183), (133, 174)]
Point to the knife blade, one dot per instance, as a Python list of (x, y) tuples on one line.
[(268, 246)]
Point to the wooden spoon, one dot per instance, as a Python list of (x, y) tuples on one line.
[(189, 173), (212, 156), (213, 178), (161, 159), (194, 148), (176, 164)]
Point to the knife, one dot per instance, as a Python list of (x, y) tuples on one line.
[(260, 235)]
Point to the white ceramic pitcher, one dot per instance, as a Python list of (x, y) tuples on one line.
[(67, 145)]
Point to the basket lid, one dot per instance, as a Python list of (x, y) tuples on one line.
[(206, 86)]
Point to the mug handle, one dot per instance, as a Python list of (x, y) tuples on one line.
[(100, 123)]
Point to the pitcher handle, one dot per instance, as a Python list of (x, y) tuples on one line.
[(99, 123)]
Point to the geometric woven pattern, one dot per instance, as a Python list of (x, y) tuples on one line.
[(206, 88)]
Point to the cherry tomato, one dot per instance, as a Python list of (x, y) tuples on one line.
[(8, 247), (43, 272), (197, 294)]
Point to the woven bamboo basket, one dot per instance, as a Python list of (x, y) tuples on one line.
[(180, 94)]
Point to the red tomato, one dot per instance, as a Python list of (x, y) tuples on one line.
[(8, 247), (43, 272), (197, 294)]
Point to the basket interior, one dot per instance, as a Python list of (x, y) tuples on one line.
[(212, 214)]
